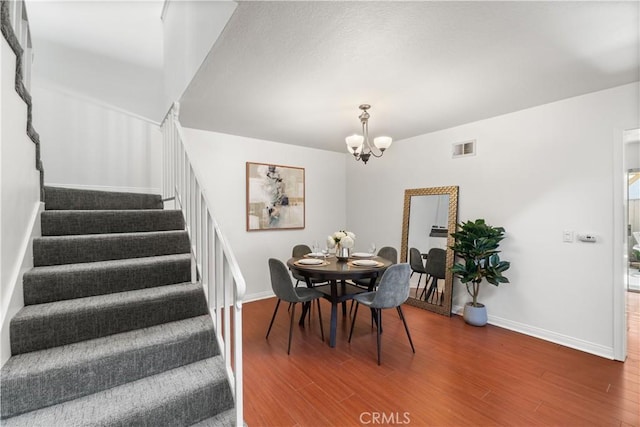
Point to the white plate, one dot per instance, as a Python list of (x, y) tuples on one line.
[(365, 262), (315, 255), (361, 255), (310, 261)]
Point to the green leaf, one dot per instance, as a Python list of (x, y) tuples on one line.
[(476, 243)]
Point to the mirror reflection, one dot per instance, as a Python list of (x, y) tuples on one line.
[(429, 214)]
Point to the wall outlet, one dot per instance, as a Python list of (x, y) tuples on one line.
[(587, 237)]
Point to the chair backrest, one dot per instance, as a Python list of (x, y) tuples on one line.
[(393, 288), (300, 250), (436, 262), (281, 281), (415, 260), (389, 253)]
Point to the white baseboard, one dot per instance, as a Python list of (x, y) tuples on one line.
[(145, 190), (258, 296), (14, 301), (554, 337)]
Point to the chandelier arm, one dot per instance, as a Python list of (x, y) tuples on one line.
[(376, 155)]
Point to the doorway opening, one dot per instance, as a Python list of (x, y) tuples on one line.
[(627, 286), (633, 230)]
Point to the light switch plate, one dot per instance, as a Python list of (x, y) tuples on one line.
[(567, 236)]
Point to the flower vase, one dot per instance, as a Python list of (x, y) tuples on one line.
[(342, 253)]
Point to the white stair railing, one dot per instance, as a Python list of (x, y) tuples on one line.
[(213, 262)]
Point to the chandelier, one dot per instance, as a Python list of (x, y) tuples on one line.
[(359, 145)]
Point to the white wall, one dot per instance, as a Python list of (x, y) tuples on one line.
[(632, 155), (537, 172), (220, 161), (125, 85), (19, 195), (85, 143), (190, 28)]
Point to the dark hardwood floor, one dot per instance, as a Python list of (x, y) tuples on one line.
[(460, 375)]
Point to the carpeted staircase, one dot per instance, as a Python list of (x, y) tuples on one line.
[(113, 332)]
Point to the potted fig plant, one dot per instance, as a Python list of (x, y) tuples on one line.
[(476, 243)]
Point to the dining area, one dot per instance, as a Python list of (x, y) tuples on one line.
[(340, 276), (344, 276)]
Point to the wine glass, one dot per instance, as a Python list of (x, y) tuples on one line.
[(372, 248), (315, 247), (325, 251)]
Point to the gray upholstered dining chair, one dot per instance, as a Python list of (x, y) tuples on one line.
[(392, 292), (435, 269), (285, 291), (415, 260), (387, 252), (299, 251)]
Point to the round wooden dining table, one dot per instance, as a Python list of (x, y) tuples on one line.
[(338, 275)]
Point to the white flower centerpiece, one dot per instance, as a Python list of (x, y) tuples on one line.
[(343, 241)]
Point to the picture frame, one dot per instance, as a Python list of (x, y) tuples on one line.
[(275, 197)]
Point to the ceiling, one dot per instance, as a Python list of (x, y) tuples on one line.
[(295, 72)]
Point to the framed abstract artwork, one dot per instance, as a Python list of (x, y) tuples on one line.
[(275, 197)]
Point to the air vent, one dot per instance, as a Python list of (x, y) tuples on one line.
[(462, 149)]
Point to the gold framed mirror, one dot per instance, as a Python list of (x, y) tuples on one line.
[(430, 215)]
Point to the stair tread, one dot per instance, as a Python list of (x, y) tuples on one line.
[(40, 361), (70, 249), (99, 302), (109, 236), (144, 212), (119, 405), (60, 198), (223, 419), (109, 264), (80, 222), (45, 284)]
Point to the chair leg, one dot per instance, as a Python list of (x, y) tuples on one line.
[(353, 320), (297, 283), (405, 327), (424, 290), (433, 288), (272, 318), (320, 317), (379, 331), (293, 313), (418, 286)]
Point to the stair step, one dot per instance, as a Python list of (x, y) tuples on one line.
[(74, 222), (43, 378), (56, 198), (223, 419), (40, 326), (178, 397), (55, 250), (68, 281)]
